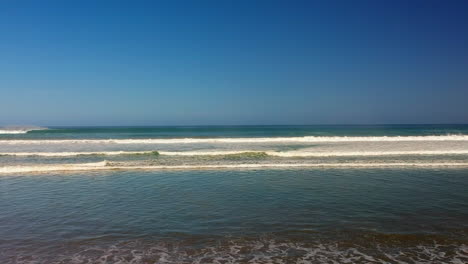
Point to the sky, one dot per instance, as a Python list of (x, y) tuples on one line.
[(237, 62)]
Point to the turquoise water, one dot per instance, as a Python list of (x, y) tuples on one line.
[(311, 194), (241, 131)]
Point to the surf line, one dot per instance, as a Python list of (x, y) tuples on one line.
[(104, 165)]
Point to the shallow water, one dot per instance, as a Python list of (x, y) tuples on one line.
[(185, 216)]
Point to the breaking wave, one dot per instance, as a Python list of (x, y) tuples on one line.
[(242, 153), (19, 130), (73, 154), (105, 165), (251, 153), (306, 139)]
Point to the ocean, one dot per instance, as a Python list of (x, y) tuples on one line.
[(234, 194)]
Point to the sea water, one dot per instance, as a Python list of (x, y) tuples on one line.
[(256, 194)]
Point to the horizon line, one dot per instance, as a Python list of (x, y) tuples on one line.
[(242, 125)]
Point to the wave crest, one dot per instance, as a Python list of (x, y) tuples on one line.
[(243, 153), (105, 165), (19, 129), (306, 139)]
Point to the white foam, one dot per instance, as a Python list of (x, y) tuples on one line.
[(222, 153), (259, 251), (54, 167), (366, 153), (19, 130), (315, 154), (7, 131), (104, 165), (306, 139), (13, 131), (72, 154)]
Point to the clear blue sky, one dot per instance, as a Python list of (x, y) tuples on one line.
[(233, 62)]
